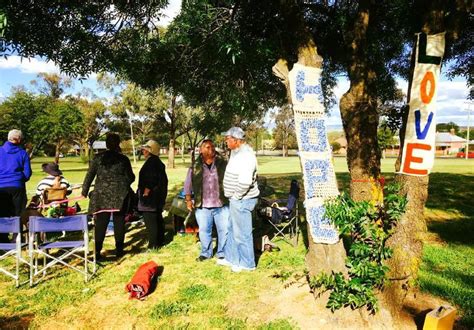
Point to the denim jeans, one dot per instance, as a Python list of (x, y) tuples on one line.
[(205, 218), (239, 249)]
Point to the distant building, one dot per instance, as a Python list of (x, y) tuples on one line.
[(97, 146), (448, 143)]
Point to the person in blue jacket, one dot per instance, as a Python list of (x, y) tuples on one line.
[(15, 171)]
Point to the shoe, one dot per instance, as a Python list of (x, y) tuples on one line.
[(119, 253), (238, 269), (224, 262), (201, 258), (99, 257)]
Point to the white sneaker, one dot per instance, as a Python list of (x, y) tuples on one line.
[(224, 262), (238, 269)]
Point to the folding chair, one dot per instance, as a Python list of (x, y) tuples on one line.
[(12, 225), (284, 219), (77, 248)]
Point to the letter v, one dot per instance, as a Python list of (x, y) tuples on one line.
[(419, 133)]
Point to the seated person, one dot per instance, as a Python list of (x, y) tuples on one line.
[(54, 179)]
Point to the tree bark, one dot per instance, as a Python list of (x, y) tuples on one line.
[(321, 258), (407, 241)]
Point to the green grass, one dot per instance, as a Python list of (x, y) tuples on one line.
[(203, 295)]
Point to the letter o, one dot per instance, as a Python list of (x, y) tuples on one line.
[(429, 77)]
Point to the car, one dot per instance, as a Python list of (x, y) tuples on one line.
[(462, 154)]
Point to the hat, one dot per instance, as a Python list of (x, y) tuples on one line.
[(152, 146), (52, 169), (235, 132)]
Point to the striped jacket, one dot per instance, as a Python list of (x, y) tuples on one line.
[(240, 178)]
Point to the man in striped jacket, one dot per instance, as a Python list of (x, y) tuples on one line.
[(240, 186)]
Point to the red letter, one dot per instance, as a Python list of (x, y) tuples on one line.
[(409, 158), (426, 98)]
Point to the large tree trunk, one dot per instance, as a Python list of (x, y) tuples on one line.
[(360, 118), (407, 241), (321, 258)]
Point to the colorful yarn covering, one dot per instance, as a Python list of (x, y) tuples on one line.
[(314, 150)]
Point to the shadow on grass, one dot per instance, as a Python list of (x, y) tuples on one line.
[(453, 193)]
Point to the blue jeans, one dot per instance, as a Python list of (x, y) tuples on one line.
[(239, 249), (205, 218)]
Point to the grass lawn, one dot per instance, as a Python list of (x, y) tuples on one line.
[(203, 295)]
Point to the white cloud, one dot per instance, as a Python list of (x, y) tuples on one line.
[(170, 12), (28, 65)]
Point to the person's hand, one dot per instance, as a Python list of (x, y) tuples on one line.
[(146, 192), (189, 205)]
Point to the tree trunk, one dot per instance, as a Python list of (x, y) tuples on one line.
[(171, 153), (57, 152), (172, 129), (407, 241), (321, 258)]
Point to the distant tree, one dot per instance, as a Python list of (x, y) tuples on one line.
[(335, 146), (52, 84), (59, 124), (385, 137), (447, 127), (20, 111), (284, 134), (93, 114)]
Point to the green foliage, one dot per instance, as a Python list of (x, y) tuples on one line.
[(3, 23), (367, 228)]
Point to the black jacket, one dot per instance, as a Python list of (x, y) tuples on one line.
[(152, 176)]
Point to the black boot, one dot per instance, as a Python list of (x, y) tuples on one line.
[(119, 249)]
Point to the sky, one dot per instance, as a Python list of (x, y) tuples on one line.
[(14, 71)]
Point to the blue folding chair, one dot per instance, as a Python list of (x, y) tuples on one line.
[(78, 249), (284, 219), (12, 250)]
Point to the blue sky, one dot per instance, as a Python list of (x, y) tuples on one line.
[(15, 71)]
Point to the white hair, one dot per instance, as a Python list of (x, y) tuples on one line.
[(15, 135)]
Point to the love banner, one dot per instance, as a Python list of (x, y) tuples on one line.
[(419, 144)]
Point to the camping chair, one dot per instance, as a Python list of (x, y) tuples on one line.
[(12, 225), (283, 214), (77, 248)]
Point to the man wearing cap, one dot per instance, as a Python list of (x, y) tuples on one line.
[(205, 179), (152, 191), (240, 186), (54, 179), (15, 171)]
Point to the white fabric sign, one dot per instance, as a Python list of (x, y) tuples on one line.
[(419, 143), (314, 150)]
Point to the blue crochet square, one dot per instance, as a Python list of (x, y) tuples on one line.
[(316, 174), (321, 230), (302, 89), (316, 129)]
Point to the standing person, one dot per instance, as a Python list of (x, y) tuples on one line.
[(152, 191), (113, 175), (240, 186), (205, 180), (15, 171)]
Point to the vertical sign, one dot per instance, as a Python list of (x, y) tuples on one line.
[(314, 150), (419, 144)]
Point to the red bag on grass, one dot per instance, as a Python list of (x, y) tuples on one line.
[(140, 284)]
